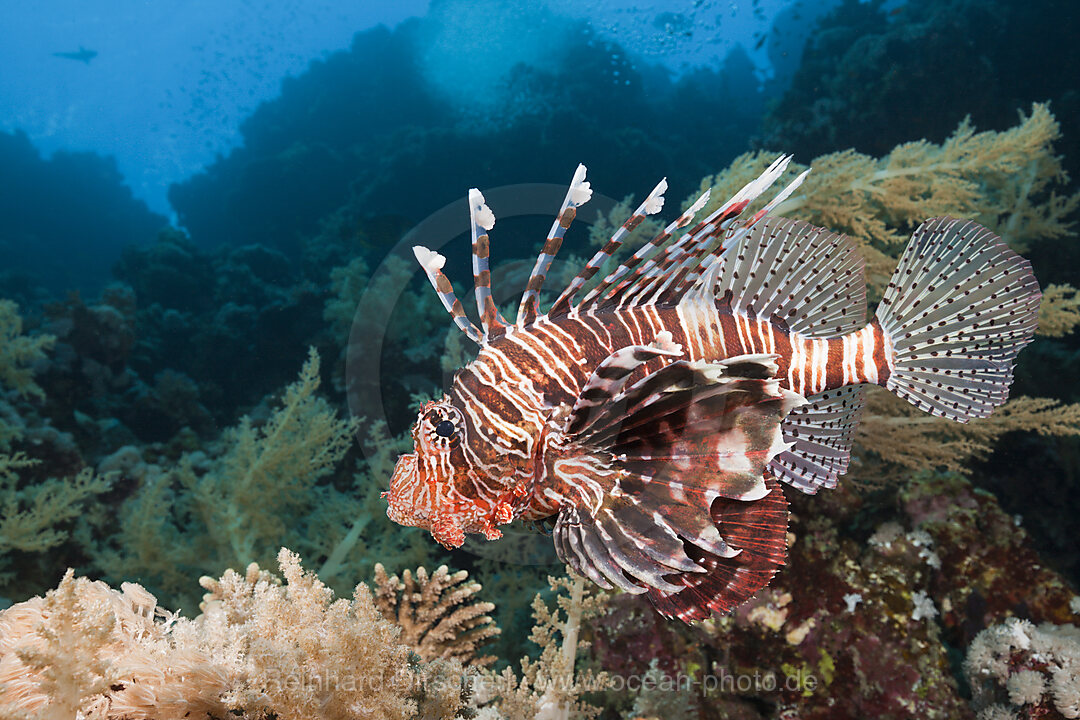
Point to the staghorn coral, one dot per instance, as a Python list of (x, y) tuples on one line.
[(263, 647), (438, 614)]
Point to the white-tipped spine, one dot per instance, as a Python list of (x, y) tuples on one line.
[(654, 203), (786, 192), (698, 204), (430, 260), (762, 182), (480, 212), (580, 190)]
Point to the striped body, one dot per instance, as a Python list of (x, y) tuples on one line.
[(654, 418), (516, 383)]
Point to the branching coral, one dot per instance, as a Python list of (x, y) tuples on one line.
[(270, 470), (19, 352), (262, 648), (550, 688), (1006, 180), (1059, 313), (262, 491), (31, 517), (438, 614), (1003, 179), (893, 431)]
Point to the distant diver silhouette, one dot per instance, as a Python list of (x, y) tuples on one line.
[(84, 55)]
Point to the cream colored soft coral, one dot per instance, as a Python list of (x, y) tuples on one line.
[(263, 647)]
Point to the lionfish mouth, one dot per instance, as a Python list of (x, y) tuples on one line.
[(402, 493)]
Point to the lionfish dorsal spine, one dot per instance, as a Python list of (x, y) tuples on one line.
[(645, 250), (577, 195), (433, 262), (652, 204), (481, 220), (678, 266)]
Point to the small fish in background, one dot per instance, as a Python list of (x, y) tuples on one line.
[(653, 419), (82, 55)]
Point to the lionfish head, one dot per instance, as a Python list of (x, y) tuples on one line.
[(426, 486)]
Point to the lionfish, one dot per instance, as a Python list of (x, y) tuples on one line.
[(649, 419)]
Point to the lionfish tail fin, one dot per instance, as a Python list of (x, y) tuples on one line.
[(959, 308)]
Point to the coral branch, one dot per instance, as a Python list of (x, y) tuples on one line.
[(438, 614)]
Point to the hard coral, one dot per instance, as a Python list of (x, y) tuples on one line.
[(438, 613)]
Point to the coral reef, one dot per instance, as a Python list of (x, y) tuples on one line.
[(36, 508), (850, 628), (261, 648), (871, 75), (18, 352), (66, 219), (550, 688), (891, 579), (190, 308), (1018, 667), (258, 492)]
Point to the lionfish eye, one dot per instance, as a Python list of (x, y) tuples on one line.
[(445, 429)]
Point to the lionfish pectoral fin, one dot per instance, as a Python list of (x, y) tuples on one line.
[(690, 444), (611, 376), (759, 529), (702, 429)]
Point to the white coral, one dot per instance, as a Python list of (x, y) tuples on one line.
[(1025, 661), (1026, 687), (924, 606)]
